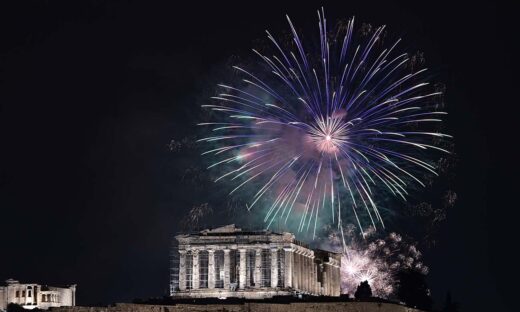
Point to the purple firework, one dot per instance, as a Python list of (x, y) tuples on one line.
[(322, 131)]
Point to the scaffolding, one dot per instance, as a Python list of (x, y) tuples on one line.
[(174, 268), (234, 263)]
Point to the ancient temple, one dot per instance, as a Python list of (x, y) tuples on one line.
[(229, 262), (32, 295)]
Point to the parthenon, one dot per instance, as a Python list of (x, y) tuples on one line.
[(229, 262)]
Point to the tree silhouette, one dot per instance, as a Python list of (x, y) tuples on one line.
[(13, 307), (449, 305), (412, 289), (363, 291)]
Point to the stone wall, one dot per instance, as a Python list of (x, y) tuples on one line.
[(248, 307)]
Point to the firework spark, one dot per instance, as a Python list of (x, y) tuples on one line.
[(376, 260), (323, 131)]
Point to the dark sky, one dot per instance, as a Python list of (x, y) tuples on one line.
[(91, 94)]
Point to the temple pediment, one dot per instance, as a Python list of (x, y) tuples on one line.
[(230, 228)]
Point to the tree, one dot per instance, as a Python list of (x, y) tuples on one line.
[(13, 307), (449, 305), (363, 291), (412, 289)]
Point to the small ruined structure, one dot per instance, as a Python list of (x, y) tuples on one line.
[(31, 295), (228, 262)]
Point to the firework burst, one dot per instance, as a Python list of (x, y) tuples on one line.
[(372, 259), (323, 131)]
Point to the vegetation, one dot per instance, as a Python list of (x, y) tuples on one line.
[(363, 291), (412, 289)]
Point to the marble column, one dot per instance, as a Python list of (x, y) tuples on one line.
[(274, 267), (242, 269), (336, 284), (297, 270), (211, 269), (335, 279), (325, 280), (227, 269), (338, 281), (288, 257), (306, 271), (313, 280), (74, 296), (182, 270), (302, 272), (314, 277), (301, 280), (195, 271), (331, 281), (258, 268), (311, 273)]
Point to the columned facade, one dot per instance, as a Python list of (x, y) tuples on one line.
[(32, 295), (229, 262)]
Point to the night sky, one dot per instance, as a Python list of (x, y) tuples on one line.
[(91, 95)]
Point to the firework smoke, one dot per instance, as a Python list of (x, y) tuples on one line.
[(192, 220)]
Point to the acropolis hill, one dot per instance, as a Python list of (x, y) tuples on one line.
[(233, 270), (249, 307)]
